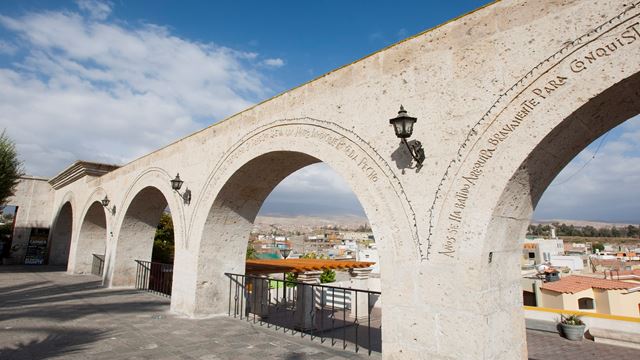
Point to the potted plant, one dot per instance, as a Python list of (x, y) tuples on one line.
[(572, 327)]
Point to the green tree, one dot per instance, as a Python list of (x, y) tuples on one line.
[(290, 279), (10, 168), (163, 242), (327, 276), (615, 232), (251, 252), (589, 231), (597, 247)]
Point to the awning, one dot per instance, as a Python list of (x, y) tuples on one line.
[(268, 266)]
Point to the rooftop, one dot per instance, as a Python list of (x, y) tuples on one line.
[(256, 266), (575, 283)]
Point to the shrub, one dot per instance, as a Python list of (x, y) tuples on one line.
[(570, 320)]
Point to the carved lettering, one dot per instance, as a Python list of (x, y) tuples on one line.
[(462, 192)]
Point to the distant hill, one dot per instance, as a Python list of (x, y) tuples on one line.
[(301, 222), (582, 223)]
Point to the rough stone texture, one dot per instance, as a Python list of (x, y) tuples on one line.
[(33, 197), (505, 97), (53, 315)]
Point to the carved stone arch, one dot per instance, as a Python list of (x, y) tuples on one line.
[(91, 235), (486, 197), (247, 172), (62, 230), (138, 214), (570, 98)]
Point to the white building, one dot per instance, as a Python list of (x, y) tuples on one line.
[(539, 251)]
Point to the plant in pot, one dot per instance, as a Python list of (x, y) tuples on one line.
[(572, 327)]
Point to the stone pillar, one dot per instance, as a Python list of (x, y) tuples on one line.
[(360, 303), (305, 304), (259, 296)]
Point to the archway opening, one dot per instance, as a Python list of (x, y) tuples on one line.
[(60, 238), (134, 266), (287, 226), (513, 213), (92, 241)]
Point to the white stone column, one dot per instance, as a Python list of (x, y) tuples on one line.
[(259, 296), (360, 302), (305, 306)]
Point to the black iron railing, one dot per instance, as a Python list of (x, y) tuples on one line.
[(97, 266), (344, 316), (154, 277)]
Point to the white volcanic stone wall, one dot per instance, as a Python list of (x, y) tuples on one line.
[(33, 197), (505, 97)]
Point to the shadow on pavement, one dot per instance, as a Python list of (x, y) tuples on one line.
[(57, 343)]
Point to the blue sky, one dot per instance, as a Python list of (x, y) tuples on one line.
[(111, 81)]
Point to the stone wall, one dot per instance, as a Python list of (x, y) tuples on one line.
[(34, 199)]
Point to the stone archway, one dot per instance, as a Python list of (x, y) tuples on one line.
[(60, 238), (136, 233), (91, 239), (240, 182), (485, 200)]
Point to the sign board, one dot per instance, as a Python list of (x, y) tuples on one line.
[(37, 247)]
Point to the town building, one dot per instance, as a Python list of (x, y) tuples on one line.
[(590, 294)]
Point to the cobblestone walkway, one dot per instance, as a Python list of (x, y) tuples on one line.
[(47, 314)]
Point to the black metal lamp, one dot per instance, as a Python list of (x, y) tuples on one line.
[(285, 253), (176, 184), (403, 126), (105, 202)]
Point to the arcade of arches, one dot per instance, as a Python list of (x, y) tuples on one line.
[(505, 97)]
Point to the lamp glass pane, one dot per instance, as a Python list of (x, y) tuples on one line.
[(398, 128), (408, 127)]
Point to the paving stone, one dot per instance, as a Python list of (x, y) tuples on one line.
[(38, 320)]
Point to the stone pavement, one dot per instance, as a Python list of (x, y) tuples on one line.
[(47, 314)]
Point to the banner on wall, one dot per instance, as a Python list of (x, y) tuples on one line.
[(37, 247)]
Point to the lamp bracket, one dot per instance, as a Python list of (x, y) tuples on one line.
[(416, 151), (186, 196)]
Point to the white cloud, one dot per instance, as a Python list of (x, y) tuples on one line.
[(7, 48), (314, 190), (276, 63), (606, 188), (99, 10), (105, 91), (316, 178)]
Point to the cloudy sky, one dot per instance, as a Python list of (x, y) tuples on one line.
[(111, 81)]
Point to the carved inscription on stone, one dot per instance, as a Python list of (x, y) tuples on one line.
[(508, 122), (360, 159)]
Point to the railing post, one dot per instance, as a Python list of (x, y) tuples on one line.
[(305, 300), (260, 295), (309, 299), (359, 304)]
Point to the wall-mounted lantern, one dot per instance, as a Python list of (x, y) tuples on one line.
[(285, 252), (105, 202), (176, 185), (403, 126)]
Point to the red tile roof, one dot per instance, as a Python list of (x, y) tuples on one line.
[(574, 283)]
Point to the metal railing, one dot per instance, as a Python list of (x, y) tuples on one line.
[(154, 277), (344, 316), (97, 266)]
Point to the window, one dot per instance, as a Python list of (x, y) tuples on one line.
[(532, 255), (586, 304)]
